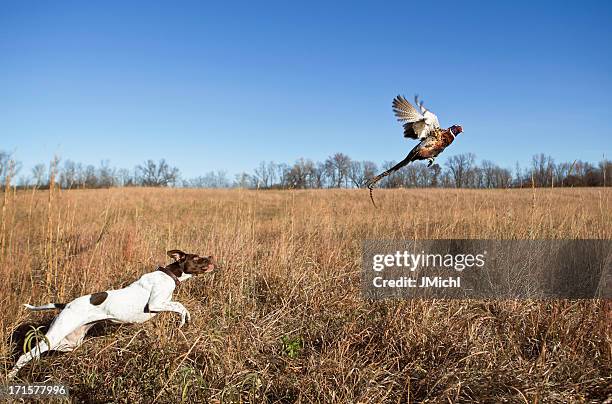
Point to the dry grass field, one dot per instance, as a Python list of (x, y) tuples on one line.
[(284, 320)]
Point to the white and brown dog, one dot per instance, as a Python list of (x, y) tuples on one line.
[(136, 303)]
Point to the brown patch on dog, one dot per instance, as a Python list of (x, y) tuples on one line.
[(98, 298)]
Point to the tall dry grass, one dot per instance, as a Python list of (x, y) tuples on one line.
[(284, 320)]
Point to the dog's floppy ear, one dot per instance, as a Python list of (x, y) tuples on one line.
[(176, 254)]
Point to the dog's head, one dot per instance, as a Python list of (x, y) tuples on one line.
[(192, 264)]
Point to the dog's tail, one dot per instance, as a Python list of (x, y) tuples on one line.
[(49, 306)]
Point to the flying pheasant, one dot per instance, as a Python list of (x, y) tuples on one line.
[(421, 125)]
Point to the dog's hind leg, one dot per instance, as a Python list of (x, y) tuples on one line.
[(74, 339), (43, 346), (68, 327)]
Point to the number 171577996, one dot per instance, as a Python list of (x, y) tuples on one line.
[(29, 390)]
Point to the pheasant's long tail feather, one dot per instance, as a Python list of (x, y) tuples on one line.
[(410, 157), (370, 184), (372, 196)]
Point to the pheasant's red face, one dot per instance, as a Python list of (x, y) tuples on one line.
[(457, 129)]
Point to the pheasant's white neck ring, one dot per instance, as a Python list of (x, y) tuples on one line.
[(451, 132)]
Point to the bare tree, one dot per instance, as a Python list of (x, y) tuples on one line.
[(361, 171), (337, 168), (124, 177), (435, 175), (518, 175), (310, 169), (272, 173), (157, 174), (356, 175), (106, 175), (90, 179), (39, 174), (211, 179), (503, 178), (244, 180), (5, 163), (263, 175), (318, 175), (488, 170), (446, 179), (68, 175), (300, 174), (460, 166), (542, 168), (560, 171), (282, 171), (475, 178), (8, 166)]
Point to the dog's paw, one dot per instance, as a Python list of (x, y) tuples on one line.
[(11, 375)]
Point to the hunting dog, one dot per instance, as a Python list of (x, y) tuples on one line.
[(136, 303)]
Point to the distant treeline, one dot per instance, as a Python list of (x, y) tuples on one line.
[(337, 171)]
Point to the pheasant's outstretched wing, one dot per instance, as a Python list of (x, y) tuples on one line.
[(417, 125), (431, 120), (404, 111)]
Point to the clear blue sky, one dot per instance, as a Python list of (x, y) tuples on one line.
[(226, 85)]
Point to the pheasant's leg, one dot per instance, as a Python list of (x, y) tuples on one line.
[(431, 161)]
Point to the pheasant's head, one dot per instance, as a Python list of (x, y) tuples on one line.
[(456, 129)]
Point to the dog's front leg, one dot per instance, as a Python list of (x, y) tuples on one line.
[(182, 310), (175, 307), (161, 300)]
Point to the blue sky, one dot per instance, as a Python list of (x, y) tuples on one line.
[(222, 86)]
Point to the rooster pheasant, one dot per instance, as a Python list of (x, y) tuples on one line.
[(423, 125)]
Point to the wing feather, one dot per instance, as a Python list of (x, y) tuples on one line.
[(404, 111), (430, 118), (415, 130), (417, 125)]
